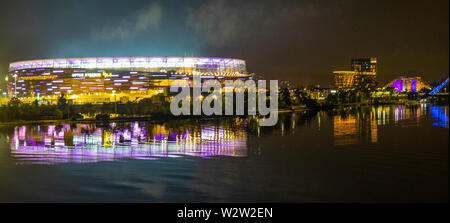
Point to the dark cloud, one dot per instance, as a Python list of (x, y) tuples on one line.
[(223, 23), (305, 40), (144, 20)]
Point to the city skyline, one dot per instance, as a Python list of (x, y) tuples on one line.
[(307, 39)]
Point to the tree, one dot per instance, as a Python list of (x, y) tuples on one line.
[(425, 90), (285, 98), (14, 108), (63, 106), (392, 90), (332, 99), (62, 101), (14, 102), (88, 109)]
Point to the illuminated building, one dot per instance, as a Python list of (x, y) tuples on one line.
[(317, 92), (363, 75), (408, 84), (364, 65), (107, 79)]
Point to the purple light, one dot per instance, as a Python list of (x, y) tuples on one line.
[(398, 85), (414, 84), (88, 143), (127, 62)]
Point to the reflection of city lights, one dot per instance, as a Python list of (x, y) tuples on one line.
[(440, 115), (89, 143), (345, 130), (350, 129)]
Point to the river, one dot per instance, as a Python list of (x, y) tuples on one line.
[(365, 154)]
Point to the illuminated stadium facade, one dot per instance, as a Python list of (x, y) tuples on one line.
[(109, 79)]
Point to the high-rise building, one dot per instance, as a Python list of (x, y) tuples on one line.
[(362, 76), (364, 65)]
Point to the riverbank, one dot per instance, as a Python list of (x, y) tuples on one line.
[(159, 118), (122, 119)]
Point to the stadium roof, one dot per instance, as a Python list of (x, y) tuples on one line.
[(125, 62)]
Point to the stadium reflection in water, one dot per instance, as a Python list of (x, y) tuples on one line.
[(84, 143)]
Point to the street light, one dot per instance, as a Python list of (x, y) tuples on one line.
[(15, 84), (115, 101)]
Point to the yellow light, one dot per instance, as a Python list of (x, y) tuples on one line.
[(104, 74)]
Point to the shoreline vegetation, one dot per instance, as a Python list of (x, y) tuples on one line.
[(15, 112)]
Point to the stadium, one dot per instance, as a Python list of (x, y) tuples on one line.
[(110, 79)]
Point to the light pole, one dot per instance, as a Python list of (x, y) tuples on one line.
[(115, 101), (15, 84), (6, 81)]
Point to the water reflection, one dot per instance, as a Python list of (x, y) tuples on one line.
[(82, 143), (440, 115), (353, 126)]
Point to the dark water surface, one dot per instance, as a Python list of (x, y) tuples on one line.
[(365, 154)]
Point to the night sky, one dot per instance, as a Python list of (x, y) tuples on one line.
[(302, 41)]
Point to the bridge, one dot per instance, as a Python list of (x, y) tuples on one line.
[(438, 88)]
